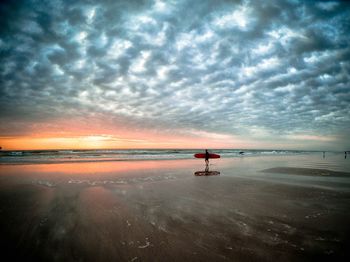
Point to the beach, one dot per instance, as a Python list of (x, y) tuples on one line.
[(288, 207)]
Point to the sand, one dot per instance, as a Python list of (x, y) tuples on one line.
[(306, 171), (161, 211)]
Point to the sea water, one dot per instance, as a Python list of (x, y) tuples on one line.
[(312, 159)]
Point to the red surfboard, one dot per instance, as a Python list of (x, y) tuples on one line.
[(201, 155)]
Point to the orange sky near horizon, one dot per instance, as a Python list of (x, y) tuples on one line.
[(102, 133), (109, 141)]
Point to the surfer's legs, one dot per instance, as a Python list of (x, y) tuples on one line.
[(206, 165)]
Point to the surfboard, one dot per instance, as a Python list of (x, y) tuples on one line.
[(201, 155)]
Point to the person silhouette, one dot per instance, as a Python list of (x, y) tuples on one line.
[(206, 159)]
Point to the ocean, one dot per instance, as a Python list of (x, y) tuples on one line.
[(95, 155)]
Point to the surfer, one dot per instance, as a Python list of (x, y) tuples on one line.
[(206, 158), (206, 155)]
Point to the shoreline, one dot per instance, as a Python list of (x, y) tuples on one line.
[(35, 160)]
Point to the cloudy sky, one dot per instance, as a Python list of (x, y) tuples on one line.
[(237, 74)]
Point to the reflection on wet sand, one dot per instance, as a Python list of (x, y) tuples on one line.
[(159, 211), (206, 173), (96, 167)]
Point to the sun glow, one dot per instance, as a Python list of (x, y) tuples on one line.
[(132, 140), (77, 142)]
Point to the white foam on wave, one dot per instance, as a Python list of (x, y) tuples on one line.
[(134, 180), (96, 182), (45, 183)]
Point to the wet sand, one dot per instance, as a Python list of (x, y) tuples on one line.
[(161, 211), (306, 171)]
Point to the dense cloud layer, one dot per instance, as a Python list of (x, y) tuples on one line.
[(256, 69)]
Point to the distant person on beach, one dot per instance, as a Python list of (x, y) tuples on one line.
[(324, 154)]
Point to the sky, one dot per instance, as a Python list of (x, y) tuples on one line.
[(175, 74)]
